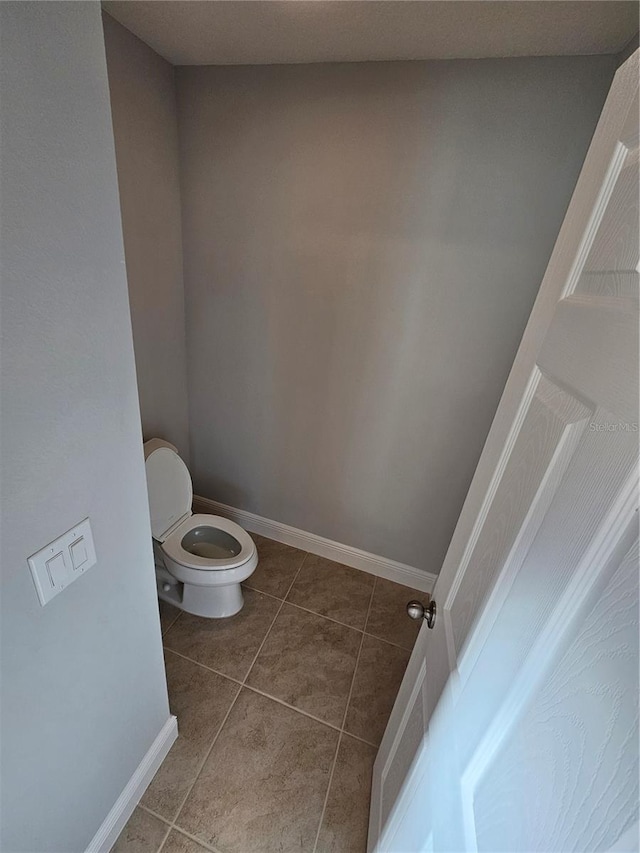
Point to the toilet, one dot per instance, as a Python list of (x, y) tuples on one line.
[(201, 560)]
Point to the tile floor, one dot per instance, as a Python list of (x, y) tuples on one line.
[(280, 711)]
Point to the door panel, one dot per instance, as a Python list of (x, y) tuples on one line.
[(549, 431), (615, 246), (585, 327), (409, 740), (558, 567), (608, 284), (567, 770)]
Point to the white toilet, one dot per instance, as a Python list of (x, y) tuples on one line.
[(201, 560)]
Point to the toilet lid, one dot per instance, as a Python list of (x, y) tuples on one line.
[(170, 490)]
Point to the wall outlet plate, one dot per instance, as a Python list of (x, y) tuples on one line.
[(62, 561)]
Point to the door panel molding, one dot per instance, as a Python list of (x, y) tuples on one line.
[(408, 716), (538, 509), (604, 195), (594, 663), (493, 485), (554, 419), (616, 533)]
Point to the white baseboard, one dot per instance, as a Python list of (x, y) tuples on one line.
[(113, 824), (363, 560)]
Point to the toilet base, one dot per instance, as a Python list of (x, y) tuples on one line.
[(215, 602)]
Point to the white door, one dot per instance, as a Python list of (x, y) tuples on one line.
[(515, 728)]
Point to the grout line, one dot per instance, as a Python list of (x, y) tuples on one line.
[(389, 643), (324, 616), (366, 618), (188, 835), (344, 625), (172, 623), (247, 585), (344, 720), (353, 680), (264, 639), (204, 666), (204, 760), (169, 830), (226, 717), (166, 835), (270, 594), (268, 696), (331, 619), (326, 796), (196, 839), (357, 630), (158, 817), (151, 811), (292, 707), (355, 671), (361, 739), (171, 827)]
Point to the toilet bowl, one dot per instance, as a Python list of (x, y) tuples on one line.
[(201, 560)]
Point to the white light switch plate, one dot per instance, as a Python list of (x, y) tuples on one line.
[(60, 562)]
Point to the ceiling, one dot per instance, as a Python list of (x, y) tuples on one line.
[(250, 32)]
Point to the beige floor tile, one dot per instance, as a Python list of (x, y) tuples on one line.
[(346, 818), (308, 661), (388, 617), (378, 676), (227, 645), (168, 615), (333, 590), (179, 843), (263, 785), (199, 699), (143, 833), (278, 565)]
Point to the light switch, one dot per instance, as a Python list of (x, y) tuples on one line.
[(57, 571), (78, 552), (60, 562)]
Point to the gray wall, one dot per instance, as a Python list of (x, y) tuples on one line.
[(630, 48), (363, 244), (83, 686), (146, 138)]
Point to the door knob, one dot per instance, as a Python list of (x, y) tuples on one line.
[(417, 610)]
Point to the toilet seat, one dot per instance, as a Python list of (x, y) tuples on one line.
[(172, 545)]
